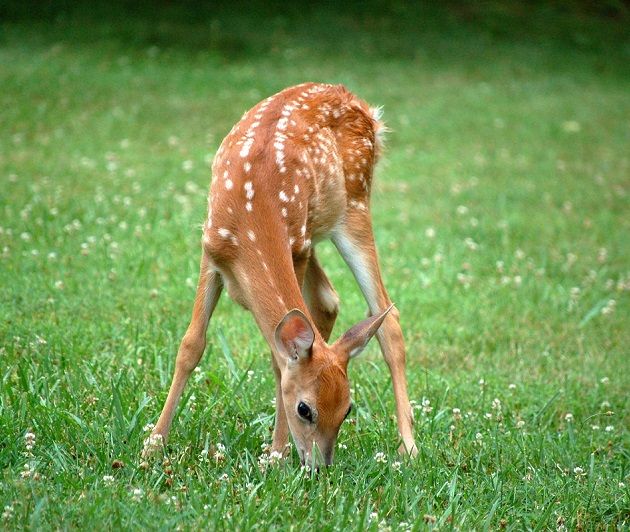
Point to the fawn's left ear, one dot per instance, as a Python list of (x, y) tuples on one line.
[(294, 335), (356, 338)]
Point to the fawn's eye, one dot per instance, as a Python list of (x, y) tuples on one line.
[(305, 411)]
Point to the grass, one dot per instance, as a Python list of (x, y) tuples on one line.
[(502, 220)]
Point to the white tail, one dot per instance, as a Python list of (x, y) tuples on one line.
[(296, 169)]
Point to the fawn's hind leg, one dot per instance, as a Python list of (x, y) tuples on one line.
[(191, 348), (355, 242)]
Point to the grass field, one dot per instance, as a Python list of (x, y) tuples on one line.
[(502, 216)]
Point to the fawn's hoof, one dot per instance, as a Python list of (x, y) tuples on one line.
[(153, 446), (410, 450)]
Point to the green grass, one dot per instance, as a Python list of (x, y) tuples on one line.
[(509, 143)]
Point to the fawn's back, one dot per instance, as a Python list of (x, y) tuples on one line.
[(288, 170)]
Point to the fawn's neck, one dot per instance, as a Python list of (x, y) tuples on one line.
[(266, 275)]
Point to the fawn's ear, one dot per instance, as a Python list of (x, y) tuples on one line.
[(356, 338), (294, 335)]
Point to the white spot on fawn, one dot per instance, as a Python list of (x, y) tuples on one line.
[(251, 235), (283, 197), (247, 167), (229, 184), (248, 206), (249, 190), (246, 147)]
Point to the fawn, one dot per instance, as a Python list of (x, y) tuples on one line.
[(297, 168)]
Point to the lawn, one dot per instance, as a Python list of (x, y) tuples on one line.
[(502, 216)]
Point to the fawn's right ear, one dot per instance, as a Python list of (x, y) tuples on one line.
[(294, 335)]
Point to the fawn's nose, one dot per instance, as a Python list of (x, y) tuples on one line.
[(317, 456)]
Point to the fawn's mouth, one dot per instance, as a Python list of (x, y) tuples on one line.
[(302, 456)]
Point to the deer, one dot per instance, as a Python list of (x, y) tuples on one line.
[(295, 170)]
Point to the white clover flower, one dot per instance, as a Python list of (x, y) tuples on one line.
[(578, 471), (108, 479), (137, 494), (471, 244), (373, 516), (426, 406), (218, 456), (496, 404), (609, 428), (457, 414), (224, 477), (512, 386), (155, 442), (568, 417), (429, 232), (148, 427), (380, 457), (27, 472), (265, 460), (29, 440), (609, 308), (275, 456), (8, 512), (520, 424), (575, 293), (571, 126), (464, 279), (396, 466)]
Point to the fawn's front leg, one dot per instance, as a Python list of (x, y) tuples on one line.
[(355, 242), (281, 427), (190, 350), (321, 298)]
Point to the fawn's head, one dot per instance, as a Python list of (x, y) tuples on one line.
[(315, 388)]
